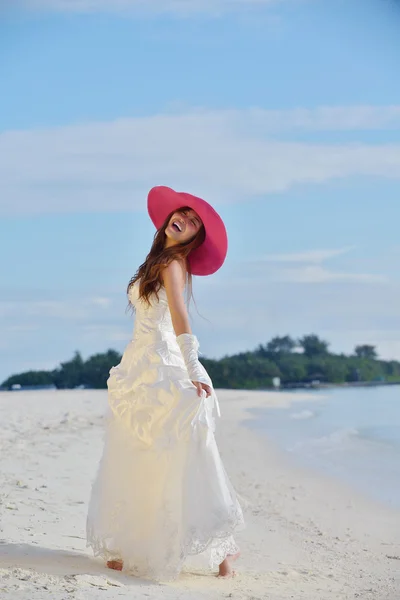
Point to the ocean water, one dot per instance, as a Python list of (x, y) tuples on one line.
[(351, 434)]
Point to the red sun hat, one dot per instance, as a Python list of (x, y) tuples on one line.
[(210, 256)]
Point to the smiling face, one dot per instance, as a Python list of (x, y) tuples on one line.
[(182, 227)]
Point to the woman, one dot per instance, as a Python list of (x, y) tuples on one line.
[(161, 493)]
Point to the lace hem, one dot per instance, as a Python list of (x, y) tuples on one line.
[(217, 550), (164, 564)]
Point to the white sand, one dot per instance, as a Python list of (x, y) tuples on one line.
[(307, 537)]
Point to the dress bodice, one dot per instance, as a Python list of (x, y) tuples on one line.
[(151, 322)]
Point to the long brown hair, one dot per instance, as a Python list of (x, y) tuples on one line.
[(159, 257)]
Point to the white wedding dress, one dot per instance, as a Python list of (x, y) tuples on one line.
[(161, 493)]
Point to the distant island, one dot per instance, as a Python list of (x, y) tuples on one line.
[(282, 362)]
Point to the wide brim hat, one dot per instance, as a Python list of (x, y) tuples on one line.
[(210, 256)]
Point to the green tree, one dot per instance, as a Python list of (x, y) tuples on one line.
[(313, 346), (334, 369), (70, 373), (293, 368), (242, 371), (365, 351), (246, 370), (369, 369), (29, 378), (97, 368), (281, 345), (391, 369)]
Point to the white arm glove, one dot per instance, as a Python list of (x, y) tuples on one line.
[(189, 345)]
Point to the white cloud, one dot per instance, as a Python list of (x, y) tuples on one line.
[(20, 328), (226, 155), (74, 310), (101, 302), (328, 118), (319, 274), (106, 333), (311, 256), (305, 267), (180, 7)]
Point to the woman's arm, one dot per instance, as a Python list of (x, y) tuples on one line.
[(174, 277)]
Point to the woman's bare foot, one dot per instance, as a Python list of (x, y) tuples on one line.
[(117, 565), (225, 568)]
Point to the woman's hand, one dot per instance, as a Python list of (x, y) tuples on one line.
[(202, 386)]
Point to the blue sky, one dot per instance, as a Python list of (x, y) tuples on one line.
[(285, 115)]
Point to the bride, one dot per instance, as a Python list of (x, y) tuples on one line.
[(161, 493)]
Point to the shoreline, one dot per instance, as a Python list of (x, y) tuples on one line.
[(347, 453), (345, 384), (307, 537), (282, 388)]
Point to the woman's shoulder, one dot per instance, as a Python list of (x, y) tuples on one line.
[(175, 272), (174, 279), (133, 291)]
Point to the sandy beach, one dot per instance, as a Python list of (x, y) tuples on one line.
[(307, 536)]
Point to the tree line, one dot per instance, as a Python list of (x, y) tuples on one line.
[(294, 362)]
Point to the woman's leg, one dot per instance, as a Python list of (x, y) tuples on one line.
[(117, 565), (225, 568)]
